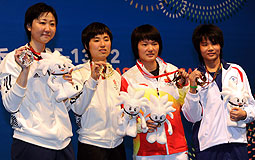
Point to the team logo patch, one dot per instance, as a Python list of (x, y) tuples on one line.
[(234, 79)]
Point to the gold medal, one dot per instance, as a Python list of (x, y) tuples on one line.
[(106, 71)]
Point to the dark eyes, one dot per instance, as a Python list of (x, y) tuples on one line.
[(206, 44), (97, 40), (153, 44), (44, 23)]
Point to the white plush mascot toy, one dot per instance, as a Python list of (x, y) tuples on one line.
[(58, 65), (158, 110), (235, 97), (133, 102)]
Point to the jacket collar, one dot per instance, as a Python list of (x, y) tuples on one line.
[(143, 70), (202, 69)]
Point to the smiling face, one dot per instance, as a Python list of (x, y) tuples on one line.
[(100, 47), (42, 29), (210, 51), (132, 109), (158, 117), (59, 67), (148, 51)]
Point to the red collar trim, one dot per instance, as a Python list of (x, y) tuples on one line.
[(37, 55)]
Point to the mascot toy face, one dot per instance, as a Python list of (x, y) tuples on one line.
[(238, 100), (158, 109), (133, 102), (58, 65), (158, 117), (55, 63), (59, 68), (235, 96), (132, 107)]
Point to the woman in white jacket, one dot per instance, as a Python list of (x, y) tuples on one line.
[(208, 106), (101, 86), (42, 128)]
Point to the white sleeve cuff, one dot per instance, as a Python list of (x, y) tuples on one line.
[(250, 115), (91, 83), (18, 90)]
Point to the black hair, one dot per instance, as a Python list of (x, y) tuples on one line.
[(145, 32), (91, 31), (34, 12), (210, 32)]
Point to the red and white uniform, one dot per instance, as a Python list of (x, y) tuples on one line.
[(139, 78)]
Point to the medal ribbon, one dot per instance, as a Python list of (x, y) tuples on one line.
[(150, 76), (214, 75)]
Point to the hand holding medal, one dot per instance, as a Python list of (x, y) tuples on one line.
[(106, 71), (201, 81), (199, 78), (102, 69), (194, 79), (96, 69), (24, 57), (181, 78)]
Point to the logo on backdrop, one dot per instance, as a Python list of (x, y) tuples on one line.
[(144, 5), (203, 11)]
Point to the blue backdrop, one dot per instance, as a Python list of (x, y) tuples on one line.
[(175, 19)]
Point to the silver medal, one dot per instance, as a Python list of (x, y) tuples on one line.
[(26, 57)]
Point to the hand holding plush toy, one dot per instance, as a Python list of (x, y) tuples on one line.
[(127, 117), (235, 97), (158, 109), (58, 65)]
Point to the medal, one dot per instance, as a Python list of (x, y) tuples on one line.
[(26, 57), (177, 78), (106, 71), (201, 80)]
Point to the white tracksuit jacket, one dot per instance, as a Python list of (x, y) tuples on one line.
[(36, 116), (98, 122), (208, 107)]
